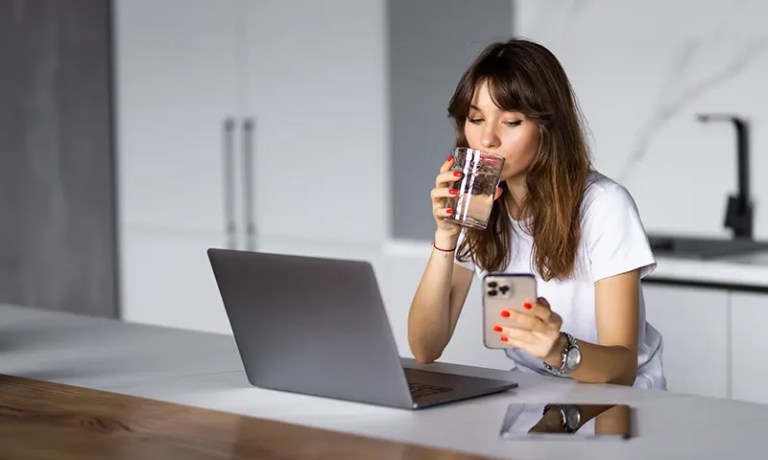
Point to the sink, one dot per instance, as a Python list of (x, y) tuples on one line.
[(702, 248)]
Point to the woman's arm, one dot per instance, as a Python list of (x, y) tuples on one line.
[(436, 306), (442, 290), (614, 359)]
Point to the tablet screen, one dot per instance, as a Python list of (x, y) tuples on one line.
[(567, 421)]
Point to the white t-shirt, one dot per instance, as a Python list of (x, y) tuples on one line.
[(613, 241)]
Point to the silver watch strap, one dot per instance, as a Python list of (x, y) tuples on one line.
[(571, 342)]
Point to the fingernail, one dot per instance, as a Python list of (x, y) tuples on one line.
[(504, 339), (450, 158), (457, 173), (527, 306), (505, 313), (497, 328), (453, 191), (449, 211)]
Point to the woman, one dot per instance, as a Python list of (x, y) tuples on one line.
[(576, 230)]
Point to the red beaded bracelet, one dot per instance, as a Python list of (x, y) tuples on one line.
[(441, 249)]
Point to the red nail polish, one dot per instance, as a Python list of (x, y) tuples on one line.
[(457, 173), (453, 191), (505, 313), (449, 211), (450, 158), (497, 328), (504, 339), (527, 306)]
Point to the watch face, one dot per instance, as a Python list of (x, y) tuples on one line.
[(572, 417), (573, 358)]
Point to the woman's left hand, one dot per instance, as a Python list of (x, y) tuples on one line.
[(534, 327)]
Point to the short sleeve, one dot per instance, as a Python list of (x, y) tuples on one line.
[(468, 264), (613, 232)]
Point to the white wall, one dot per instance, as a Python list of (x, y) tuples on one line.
[(642, 70)]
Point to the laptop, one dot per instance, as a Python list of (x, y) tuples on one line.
[(318, 326)]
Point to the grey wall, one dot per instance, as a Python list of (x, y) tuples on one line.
[(57, 219), (431, 43)]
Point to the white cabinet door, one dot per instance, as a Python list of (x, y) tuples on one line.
[(310, 74), (175, 83), (168, 281), (749, 349), (693, 324), (317, 91)]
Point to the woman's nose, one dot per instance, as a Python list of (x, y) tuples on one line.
[(490, 139)]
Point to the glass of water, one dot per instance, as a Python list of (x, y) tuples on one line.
[(477, 186)]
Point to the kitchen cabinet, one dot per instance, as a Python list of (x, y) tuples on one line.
[(239, 114), (177, 289), (240, 121), (176, 88), (693, 322), (749, 322)]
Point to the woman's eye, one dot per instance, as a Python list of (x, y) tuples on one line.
[(475, 121), (513, 123)]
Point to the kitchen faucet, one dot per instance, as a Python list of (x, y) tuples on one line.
[(738, 214)]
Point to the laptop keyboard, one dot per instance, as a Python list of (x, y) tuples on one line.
[(420, 390)]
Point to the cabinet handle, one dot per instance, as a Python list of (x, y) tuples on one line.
[(249, 128), (228, 160)]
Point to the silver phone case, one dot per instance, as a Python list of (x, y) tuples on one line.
[(504, 291)]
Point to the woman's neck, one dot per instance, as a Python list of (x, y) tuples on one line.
[(516, 196)]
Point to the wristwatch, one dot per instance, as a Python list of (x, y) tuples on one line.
[(570, 416), (571, 357)]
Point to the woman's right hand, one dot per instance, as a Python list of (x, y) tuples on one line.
[(440, 194)]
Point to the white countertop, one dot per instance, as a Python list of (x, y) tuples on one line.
[(204, 370), (745, 270)]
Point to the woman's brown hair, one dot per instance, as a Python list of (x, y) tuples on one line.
[(526, 77)]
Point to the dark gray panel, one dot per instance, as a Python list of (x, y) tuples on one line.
[(431, 43), (57, 212)]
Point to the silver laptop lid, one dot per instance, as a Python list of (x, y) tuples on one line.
[(311, 325)]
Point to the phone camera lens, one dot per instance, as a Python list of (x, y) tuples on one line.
[(504, 289), (492, 292), (493, 284)]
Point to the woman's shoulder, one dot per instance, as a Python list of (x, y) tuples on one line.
[(612, 231), (603, 192)]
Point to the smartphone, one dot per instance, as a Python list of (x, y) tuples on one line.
[(504, 291)]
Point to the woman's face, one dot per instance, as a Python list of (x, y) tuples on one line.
[(507, 134)]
